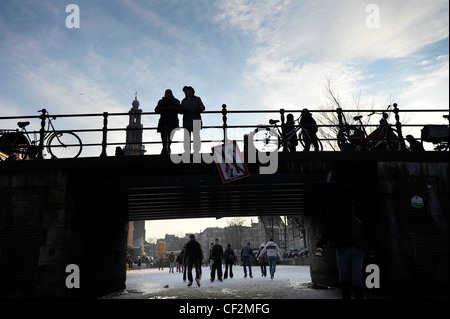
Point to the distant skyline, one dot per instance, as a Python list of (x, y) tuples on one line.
[(159, 228), (248, 54)]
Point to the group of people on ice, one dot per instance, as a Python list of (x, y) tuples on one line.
[(193, 255)]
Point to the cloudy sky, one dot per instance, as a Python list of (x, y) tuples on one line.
[(248, 54)]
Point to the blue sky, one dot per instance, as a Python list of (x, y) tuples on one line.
[(248, 54)]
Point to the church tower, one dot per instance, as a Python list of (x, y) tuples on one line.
[(133, 144)]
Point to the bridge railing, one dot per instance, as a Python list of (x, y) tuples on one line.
[(110, 129)]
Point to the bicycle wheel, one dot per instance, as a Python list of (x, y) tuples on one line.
[(305, 139), (14, 145), (64, 145), (266, 140), (344, 142)]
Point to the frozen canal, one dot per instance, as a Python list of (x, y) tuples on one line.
[(290, 282)]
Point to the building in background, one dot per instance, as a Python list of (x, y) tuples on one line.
[(136, 229), (134, 131)]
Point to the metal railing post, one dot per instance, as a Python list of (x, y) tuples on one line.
[(398, 125), (224, 125), (283, 136), (105, 134), (341, 126), (41, 135)]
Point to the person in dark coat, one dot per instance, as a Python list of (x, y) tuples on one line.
[(230, 259), (351, 240), (193, 258), (191, 107), (414, 145), (216, 255), (183, 265), (310, 128), (288, 129), (168, 107)]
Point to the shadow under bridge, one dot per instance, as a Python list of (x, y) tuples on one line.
[(151, 187)]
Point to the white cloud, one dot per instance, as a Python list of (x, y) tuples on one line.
[(429, 89), (259, 18), (298, 43), (332, 30)]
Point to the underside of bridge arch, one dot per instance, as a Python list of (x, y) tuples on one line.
[(159, 189)]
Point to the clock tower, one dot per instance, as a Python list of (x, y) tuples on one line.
[(133, 144)]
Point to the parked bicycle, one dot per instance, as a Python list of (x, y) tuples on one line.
[(19, 145), (271, 138), (355, 136)]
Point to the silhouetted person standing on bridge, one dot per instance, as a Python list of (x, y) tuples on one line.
[(288, 128), (168, 107), (310, 127), (191, 107), (193, 258), (350, 239)]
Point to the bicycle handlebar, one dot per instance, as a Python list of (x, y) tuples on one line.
[(389, 106)]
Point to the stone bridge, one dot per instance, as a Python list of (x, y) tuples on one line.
[(54, 213)]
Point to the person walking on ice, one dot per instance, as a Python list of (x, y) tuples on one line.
[(246, 253), (230, 259), (193, 259), (171, 262), (262, 259), (216, 255), (272, 250)]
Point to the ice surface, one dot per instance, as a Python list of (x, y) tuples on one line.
[(289, 282)]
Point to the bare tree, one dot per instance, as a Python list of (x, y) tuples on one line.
[(328, 118), (299, 223), (235, 232), (271, 224)]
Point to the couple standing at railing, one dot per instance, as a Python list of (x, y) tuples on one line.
[(169, 107), (191, 106)]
